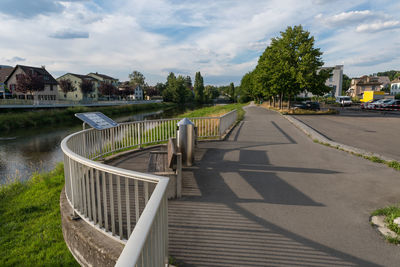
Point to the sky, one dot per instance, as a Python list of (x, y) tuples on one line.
[(222, 39)]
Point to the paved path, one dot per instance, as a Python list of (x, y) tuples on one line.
[(372, 131), (269, 196)]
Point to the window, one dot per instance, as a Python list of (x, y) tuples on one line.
[(65, 95), (330, 79), (51, 87), (76, 96)]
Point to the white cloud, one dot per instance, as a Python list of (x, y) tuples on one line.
[(346, 18), (157, 36), (379, 26)]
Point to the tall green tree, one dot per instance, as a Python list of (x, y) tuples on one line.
[(346, 82), (168, 92), (188, 82), (137, 78), (291, 64), (199, 88), (232, 93)]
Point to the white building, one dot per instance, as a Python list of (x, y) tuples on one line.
[(335, 82), (395, 87)]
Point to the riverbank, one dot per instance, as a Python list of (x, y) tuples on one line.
[(35, 119), (30, 227), (215, 111)]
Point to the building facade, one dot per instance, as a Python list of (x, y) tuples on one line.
[(395, 86), (4, 73), (366, 83), (77, 94), (104, 78), (335, 82), (50, 84)]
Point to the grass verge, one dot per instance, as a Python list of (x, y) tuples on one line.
[(34, 119), (392, 164), (298, 111), (215, 111), (390, 213), (30, 222)]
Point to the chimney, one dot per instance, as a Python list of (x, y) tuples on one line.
[(43, 67)]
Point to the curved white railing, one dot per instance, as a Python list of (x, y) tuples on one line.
[(128, 206)]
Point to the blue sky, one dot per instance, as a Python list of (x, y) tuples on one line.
[(222, 39)]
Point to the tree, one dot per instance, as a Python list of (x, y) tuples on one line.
[(29, 83), (137, 78), (169, 88), (345, 83), (87, 87), (198, 88), (188, 82), (232, 92), (160, 87), (291, 65), (66, 86), (108, 89), (210, 93), (180, 92)]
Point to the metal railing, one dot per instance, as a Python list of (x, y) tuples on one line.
[(128, 206)]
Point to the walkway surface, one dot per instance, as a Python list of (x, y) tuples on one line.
[(372, 131), (269, 196)]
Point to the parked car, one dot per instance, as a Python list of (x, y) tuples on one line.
[(378, 104), (344, 100), (392, 104), (307, 105), (366, 104)]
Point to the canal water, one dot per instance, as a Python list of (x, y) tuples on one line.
[(27, 151)]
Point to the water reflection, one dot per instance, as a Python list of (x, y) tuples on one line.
[(26, 151)]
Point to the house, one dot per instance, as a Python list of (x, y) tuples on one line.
[(104, 78), (335, 81), (76, 80), (365, 83), (395, 86), (5, 71), (50, 84), (126, 89)]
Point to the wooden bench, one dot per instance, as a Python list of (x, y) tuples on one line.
[(168, 163)]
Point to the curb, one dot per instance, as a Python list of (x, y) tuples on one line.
[(316, 136), (379, 223)]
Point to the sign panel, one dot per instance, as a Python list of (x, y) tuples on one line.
[(97, 120)]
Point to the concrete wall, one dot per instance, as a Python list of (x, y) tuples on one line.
[(89, 246)]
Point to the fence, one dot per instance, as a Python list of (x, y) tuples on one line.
[(128, 206)]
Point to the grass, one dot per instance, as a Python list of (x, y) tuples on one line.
[(215, 111), (390, 213), (34, 119), (30, 222)]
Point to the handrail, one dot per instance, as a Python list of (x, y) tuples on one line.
[(124, 204)]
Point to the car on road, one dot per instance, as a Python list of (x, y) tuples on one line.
[(307, 105), (393, 104), (344, 100), (365, 105), (379, 104)]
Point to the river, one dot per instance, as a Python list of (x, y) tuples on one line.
[(27, 151)]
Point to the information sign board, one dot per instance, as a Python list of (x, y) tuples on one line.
[(97, 120)]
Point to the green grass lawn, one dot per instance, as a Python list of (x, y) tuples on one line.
[(30, 222), (215, 111)]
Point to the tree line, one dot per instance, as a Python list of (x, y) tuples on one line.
[(288, 66)]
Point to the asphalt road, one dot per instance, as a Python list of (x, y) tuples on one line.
[(270, 196), (373, 131)]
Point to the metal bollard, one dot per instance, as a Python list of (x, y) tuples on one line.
[(186, 140)]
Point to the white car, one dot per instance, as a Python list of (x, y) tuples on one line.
[(344, 100)]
